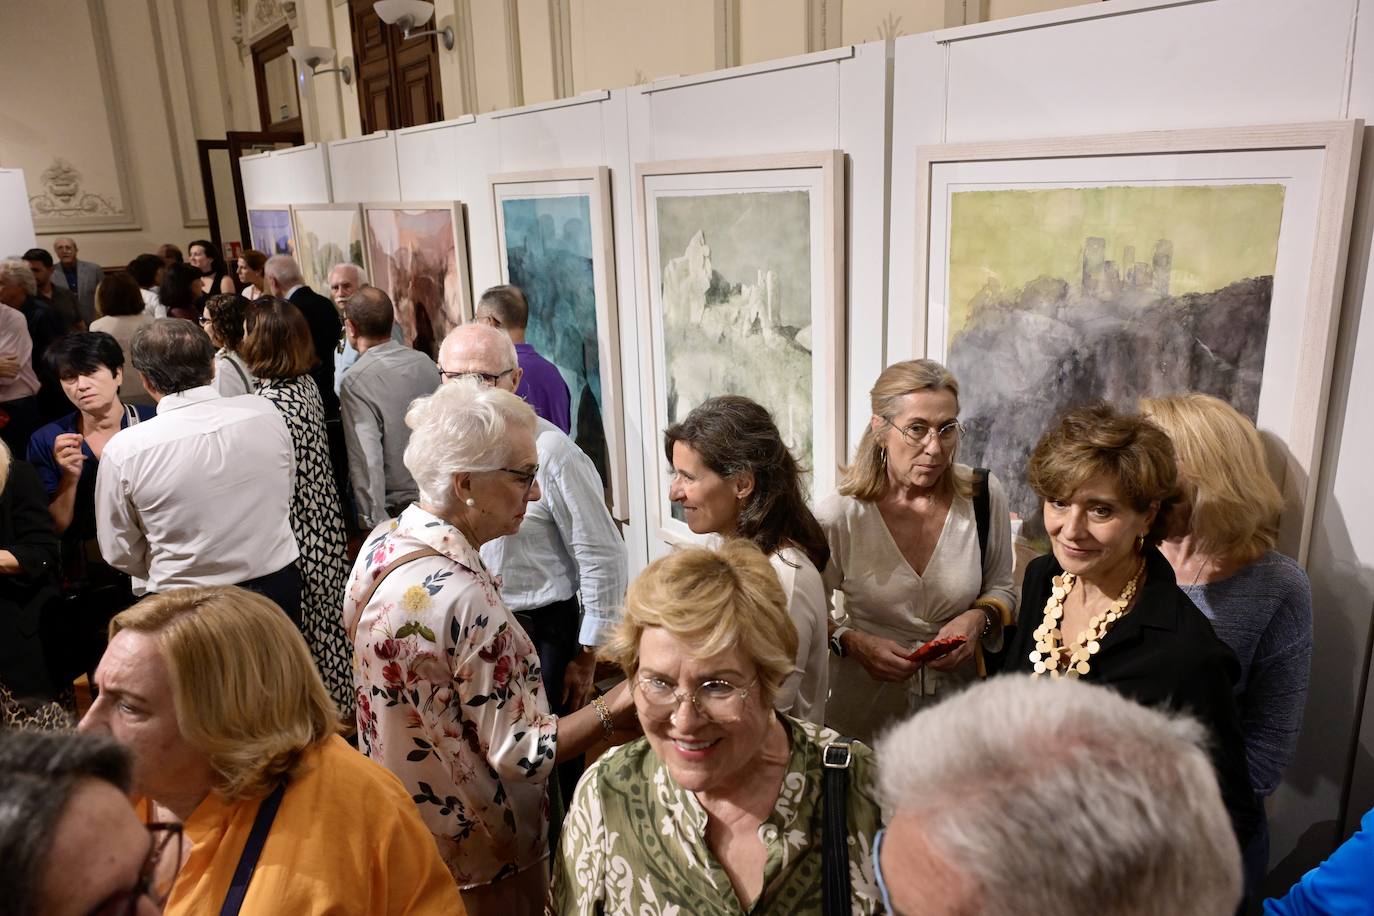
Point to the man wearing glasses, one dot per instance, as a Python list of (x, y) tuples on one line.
[(568, 545), (70, 843)]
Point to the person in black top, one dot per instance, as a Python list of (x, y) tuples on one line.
[(1104, 606), (204, 257)]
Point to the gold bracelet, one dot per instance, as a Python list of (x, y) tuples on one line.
[(604, 714)]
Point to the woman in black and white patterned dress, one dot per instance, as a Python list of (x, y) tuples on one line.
[(279, 352)]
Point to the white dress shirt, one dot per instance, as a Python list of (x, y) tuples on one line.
[(198, 495), (567, 544)]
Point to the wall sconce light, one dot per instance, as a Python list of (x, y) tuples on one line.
[(310, 57), (408, 15)]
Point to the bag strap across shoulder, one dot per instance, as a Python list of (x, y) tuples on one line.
[(835, 886), (385, 571), (252, 851), (982, 510)]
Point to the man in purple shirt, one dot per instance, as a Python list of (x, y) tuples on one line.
[(504, 307)]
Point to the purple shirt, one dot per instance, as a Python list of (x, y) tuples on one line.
[(543, 387)]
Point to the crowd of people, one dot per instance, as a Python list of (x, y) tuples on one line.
[(361, 638)]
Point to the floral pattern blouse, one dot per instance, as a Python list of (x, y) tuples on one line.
[(449, 697), (634, 841)]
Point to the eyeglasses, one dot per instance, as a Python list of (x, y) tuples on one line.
[(155, 878), (486, 378), (525, 477), (918, 433), (718, 700), (878, 870)]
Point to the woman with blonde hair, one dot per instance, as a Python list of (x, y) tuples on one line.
[(732, 788), (912, 555), (1221, 547), (215, 695)]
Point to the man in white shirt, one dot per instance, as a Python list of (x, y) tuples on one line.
[(373, 400), (568, 544), (201, 493)]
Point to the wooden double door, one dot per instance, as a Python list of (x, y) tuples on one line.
[(398, 80)]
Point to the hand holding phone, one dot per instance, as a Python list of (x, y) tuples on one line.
[(936, 648)]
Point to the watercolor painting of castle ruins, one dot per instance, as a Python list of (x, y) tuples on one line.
[(736, 278), (1061, 296)]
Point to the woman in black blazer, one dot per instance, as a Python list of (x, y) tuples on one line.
[(1104, 605)]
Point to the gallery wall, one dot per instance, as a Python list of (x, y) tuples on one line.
[(1125, 65)]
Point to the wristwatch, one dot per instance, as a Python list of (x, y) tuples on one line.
[(836, 646)]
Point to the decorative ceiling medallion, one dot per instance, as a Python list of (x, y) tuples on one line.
[(63, 197)]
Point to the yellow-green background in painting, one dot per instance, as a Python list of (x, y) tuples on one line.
[(1221, 233)]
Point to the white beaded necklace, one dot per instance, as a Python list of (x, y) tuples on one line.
[(1071, 660)]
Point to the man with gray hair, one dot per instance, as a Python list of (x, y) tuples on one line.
[(373, 400), (201, 493), (78, 276), (568, 545), (1027, 796), (345, 280), (285, 282)]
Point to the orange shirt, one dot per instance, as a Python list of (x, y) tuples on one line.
[(346, 840)]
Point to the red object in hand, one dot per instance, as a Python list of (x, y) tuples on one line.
[(936, 648)]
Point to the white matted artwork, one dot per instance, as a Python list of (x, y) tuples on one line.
[(326, 235), (269, 230), (418, 254), (742, 292), (554, 241), (1051, 273)]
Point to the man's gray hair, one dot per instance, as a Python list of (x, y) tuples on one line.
[(284, 269), (173, 355), (17, 271), (475, 337), (348, 267), (463, 426), (1065, 797)]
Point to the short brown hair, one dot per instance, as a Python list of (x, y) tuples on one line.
[(1101, 441), (508, 304), (371, 312), (245, 688), (255, 260), (713, 601), (119, 294), (226, 312), (276, 340)]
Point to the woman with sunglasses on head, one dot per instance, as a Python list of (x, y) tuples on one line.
[(450, 694), (733, 476), (908, 563), (718, 809), (279, 353)]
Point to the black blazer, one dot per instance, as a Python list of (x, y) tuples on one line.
[(1163, 654), (325, 327), (26, 531)]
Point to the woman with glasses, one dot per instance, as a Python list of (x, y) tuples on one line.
[(449, 692), (908, 562), (733, 476), (719, 808), (279, 353), (223, 322)]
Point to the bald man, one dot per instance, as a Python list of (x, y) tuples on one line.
[(78, 276)]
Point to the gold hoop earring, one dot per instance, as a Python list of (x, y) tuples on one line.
[(1140, 544)]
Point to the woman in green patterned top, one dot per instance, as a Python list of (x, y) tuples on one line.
[(717, 809)]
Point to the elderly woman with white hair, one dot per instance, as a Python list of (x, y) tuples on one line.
[(449, 694)]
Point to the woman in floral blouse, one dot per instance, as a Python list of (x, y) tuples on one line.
[(718, 809), (449, 695)]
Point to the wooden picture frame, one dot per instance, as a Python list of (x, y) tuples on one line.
[(452, 285), (757, 353), (1314, 166), (571, 195), (305, 220)]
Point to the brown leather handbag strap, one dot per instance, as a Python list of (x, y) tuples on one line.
[(382, 573)]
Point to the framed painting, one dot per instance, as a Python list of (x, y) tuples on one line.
[(741, 265), (326, 235), (269, 231), (1051, 273), (418, 254), (554, 240)]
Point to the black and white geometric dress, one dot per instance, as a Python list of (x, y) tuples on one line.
[(317, 524)]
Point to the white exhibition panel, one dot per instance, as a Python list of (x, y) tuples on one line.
[(16, 219), (279, 178), (365, 169), (835, 101), (1132, 65), (426, 162)]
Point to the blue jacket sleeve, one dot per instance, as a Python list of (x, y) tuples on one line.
[(1344, 883)]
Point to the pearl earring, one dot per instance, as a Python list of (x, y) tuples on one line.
[(470, 502)]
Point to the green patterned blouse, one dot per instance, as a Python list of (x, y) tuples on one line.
[(635, 842)]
